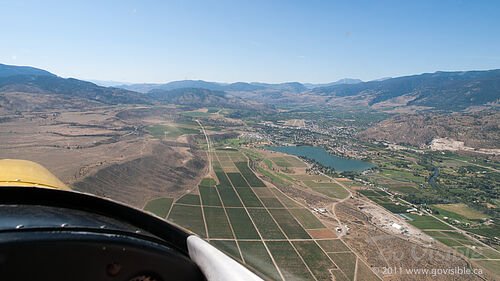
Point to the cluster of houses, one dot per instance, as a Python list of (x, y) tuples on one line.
[(484, 221), (415, 211)]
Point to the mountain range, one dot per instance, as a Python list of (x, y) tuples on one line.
[(448, 91), (439, 91), (237, 86)]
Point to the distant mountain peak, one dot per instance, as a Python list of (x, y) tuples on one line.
[(343, 81), (13, 70), (348, 81)]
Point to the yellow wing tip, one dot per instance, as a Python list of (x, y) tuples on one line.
[(17, 172)]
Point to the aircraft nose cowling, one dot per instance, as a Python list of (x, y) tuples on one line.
[(15, 172)]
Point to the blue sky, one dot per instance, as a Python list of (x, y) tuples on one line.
[(267, 41)]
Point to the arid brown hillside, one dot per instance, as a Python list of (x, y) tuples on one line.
[(167, 172), (477, 130), (442, 91)]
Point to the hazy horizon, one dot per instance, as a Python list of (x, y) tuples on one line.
[(278, 82), (112, 82)]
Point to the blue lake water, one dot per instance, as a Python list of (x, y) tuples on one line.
[(326, 159)]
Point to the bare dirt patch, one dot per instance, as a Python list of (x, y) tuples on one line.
[(382, 249)]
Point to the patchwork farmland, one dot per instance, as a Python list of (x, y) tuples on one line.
[(262, 227)]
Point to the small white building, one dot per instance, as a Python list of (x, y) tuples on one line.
[(397, 226)]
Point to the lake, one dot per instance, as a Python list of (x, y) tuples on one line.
[(326, 159)]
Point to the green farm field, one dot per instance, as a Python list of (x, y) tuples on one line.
[(258, 257), (248, 197), (237, 180), (427, 222), (209, 196), (189, 217), (189, 199), (462, 210), (290, 226), (315, 258), (229, 197), (272, 203), (346, 263), (242, 225), (288, 260), (217, 223), (159, 207), (265, 223), (307, 219)]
